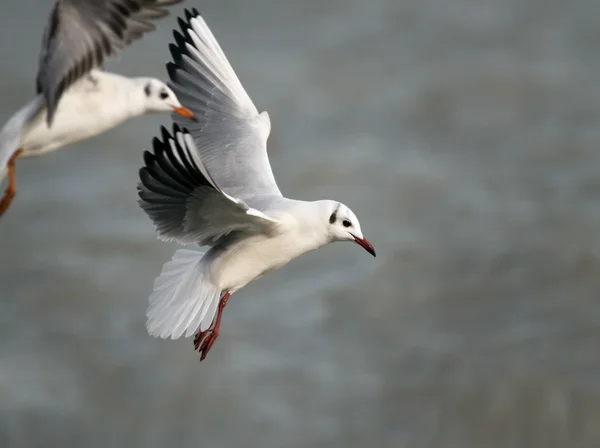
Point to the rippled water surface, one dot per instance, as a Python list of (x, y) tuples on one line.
[(465, 135)]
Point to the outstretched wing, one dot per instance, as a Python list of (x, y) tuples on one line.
[(182, 199), (230, 134), (81, 34)]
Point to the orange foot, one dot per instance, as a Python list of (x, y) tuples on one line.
[(204, 340), (11, 190)]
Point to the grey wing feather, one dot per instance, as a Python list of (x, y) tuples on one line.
[(230, 134), (182, 199), (82, 34)]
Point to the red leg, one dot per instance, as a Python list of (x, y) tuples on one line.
[(11, 190), (198, 338), (204, 340)]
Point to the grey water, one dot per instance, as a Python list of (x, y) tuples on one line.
[(465, 134)]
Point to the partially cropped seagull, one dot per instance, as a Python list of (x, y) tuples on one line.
[(210, 183), (75, 98)]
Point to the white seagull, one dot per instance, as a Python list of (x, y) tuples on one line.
[(210, 184), (75, 98)]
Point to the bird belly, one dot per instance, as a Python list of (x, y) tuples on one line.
[(247, 260), (254, 257)]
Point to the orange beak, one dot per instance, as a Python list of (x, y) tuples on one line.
[(184, 112)]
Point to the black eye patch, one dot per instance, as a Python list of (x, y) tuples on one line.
[(346, 223), (332, 218), (164, 95), (148, 90)]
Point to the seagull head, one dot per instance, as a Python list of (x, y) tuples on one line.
[(343, 225), (158, 97)]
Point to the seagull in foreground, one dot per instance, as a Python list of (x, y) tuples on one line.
[(211, 184), (75, 98)]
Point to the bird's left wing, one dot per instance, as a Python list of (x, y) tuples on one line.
[(230, 134), (183, 201)]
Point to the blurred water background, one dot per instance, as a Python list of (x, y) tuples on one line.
[(465, 135)]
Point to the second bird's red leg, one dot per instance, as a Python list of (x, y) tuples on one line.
[(11, 190), (204, 340)]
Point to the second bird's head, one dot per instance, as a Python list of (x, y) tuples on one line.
[(158, 97)]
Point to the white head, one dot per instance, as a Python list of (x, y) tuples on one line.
[(343, 225), (158, 97)]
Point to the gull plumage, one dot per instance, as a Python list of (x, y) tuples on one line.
[(210, 183), (75, 98)]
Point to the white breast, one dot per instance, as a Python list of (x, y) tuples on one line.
[(253, 257)]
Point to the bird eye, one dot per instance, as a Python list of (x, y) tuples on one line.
[(346, 223), (164, 95)]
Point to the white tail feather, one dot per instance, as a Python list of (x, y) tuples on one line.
[(10, 135), (184, 298)]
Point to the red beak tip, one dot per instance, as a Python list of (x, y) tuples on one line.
[(366, 245)]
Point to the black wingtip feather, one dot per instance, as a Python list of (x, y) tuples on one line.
[(148, 158), (182, 25), (165, 135), (191, 13), (175, 51), (142, 174), (156, 142), (180, 45), (146, 178), (171, 70), (185, 31)]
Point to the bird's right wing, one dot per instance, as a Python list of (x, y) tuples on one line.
[(186, 205), (230, 134)]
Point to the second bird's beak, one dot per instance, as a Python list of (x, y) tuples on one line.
[(184, 112), (365, 244)]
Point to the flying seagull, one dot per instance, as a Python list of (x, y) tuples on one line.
[(210, 183), (76, 99)]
